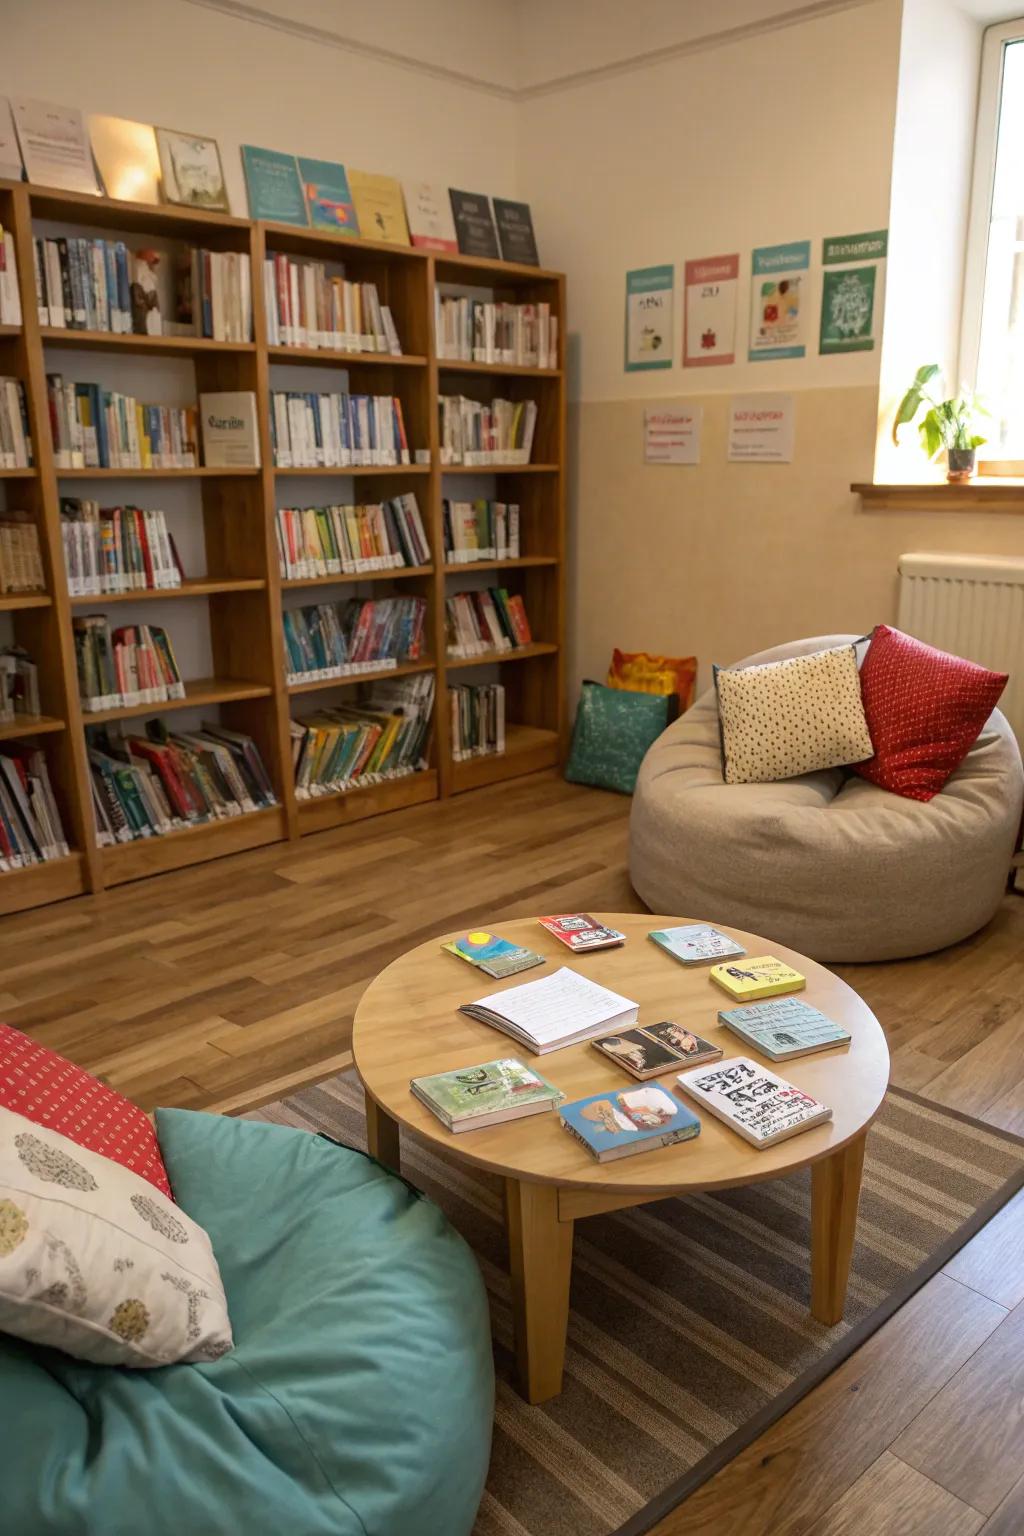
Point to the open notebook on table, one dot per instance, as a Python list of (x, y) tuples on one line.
[(561, 1009)]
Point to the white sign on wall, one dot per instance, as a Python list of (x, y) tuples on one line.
[(761, 429), (672, 434)]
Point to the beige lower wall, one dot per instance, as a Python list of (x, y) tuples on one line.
[(719, 560)]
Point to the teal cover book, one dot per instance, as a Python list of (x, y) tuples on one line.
[(696, 943), (275, 191), (328, 196), (783, 1028)]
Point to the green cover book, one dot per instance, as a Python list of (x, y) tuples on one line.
[(485, 1095), (328, 196), (275, 191)]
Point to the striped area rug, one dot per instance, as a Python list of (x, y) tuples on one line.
[(689, 1330)]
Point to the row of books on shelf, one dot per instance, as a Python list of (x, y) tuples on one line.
[(480, 530), (481, 331), (386, 735), (480, 622), (117, 549), (15, 438), (310, 304), (21, 568), (10, 298), (476, 720), (472, 432), (149, 785), (97, 428), (19, 684), (348, 540), (122, 668), (344, 639), (30, 826), (313, 431), (92, 284)]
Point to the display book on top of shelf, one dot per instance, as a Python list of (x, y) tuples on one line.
[(247, 649)]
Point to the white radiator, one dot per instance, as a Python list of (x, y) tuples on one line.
[(973, 606)]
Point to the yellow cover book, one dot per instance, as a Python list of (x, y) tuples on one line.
[(760, 976), (379, 207)]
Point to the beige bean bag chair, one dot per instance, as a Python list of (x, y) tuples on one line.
[(826, 863)]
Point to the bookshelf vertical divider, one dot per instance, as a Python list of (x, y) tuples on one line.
[(239, 523)]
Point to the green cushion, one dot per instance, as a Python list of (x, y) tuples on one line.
[(614, 728), (358, 1400)]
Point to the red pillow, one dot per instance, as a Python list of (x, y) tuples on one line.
[(925, 710), (51, 1091)]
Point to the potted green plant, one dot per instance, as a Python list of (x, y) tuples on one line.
[(946, 424)]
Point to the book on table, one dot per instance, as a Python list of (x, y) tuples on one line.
[(696, 943), (580, 932), (554, 1011), (625, 1121), (759, 1105), (784, 1028), (492, 954), (760, 976), (650, 1050), (471, 1097)]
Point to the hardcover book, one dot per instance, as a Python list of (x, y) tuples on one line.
[(620, 1124), (784, 1029), (127, 158), (275, 191), (430, 216), (230, 436), (760, 976), (328, 196), (515, 232), (581, 933), (696, 943), (760, 1106), (379, 207), (471, 1097), (54, 145), (474, 224), (656, 1048), (493, 955)]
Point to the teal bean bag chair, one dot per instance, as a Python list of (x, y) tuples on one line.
[(359, 1397)]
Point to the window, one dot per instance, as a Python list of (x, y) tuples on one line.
[(992, 342)]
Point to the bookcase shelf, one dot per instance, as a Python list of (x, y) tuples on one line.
[(241, 598)]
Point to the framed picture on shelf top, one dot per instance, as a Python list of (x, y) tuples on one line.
[(192, 171)]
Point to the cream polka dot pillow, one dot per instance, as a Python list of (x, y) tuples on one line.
[(790, 717), (96, 1261)]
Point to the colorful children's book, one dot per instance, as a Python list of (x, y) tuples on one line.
[(613, 1125), (649, 1050), (783, 1029), (328, 196), (471, 1097), (696, 943), (581, 933), (760, 1106), (491, 954), (760, 976)]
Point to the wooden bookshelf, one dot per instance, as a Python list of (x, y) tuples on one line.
[(242, 592)]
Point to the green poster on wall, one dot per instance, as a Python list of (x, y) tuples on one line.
[(847, 310)]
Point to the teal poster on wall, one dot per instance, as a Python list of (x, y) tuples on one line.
[(850, 291), (778, 301), (649, 295)]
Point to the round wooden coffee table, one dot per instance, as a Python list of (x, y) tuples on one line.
[(406, 1025)]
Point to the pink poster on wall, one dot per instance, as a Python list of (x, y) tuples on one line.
[(709, 323)]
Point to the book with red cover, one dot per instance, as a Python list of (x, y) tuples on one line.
[(580, 933)]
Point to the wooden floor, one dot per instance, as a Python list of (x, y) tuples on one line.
[(229, 984)]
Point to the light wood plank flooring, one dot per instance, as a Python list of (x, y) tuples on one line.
[(230, 984)]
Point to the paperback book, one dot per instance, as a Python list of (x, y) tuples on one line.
[(784, 1029), (472, 1097), (696, 943), (657, 1048), (580, 933), (557, 1010), (760, 976), (614, 1125), (760, 1106), (474, 224), (515, 232), (492, 954), (328, 196)]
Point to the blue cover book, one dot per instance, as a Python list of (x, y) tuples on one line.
[(328, 196), (622, 1121), (275, 191), (696, 943), (783, 1028)]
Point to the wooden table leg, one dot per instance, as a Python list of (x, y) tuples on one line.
[(835, 1194), (540, 1256), (382, 1135)]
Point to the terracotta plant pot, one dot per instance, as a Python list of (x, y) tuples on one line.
[(960, 465)]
